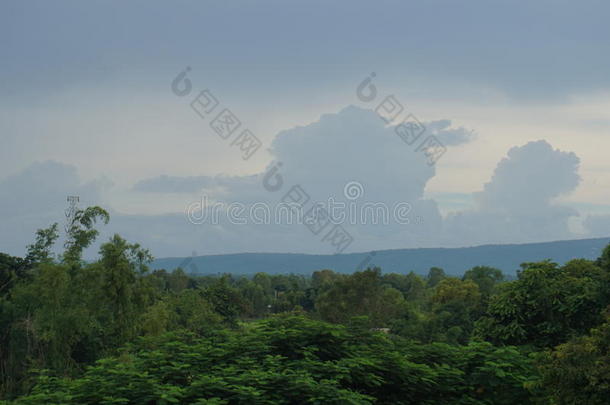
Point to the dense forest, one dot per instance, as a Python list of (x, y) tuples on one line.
[(112, 331)]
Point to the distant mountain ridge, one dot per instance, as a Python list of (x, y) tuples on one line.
[(453, 260)]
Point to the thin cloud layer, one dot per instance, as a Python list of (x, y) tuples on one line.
[(562, 56)]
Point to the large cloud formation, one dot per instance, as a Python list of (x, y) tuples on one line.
[(517, 204), (352, 146)]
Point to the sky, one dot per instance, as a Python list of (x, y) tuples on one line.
[(99, 99)]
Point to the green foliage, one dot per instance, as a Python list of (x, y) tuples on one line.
[(12, 269), (455, 306), (435, 275), (113, 332), (292, 359), (547, 305), (362, 293), (40, 250), (485, 277), (578, 372), (225, 300)]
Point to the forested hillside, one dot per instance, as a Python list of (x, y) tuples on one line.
[(453, 260), (113, 331)]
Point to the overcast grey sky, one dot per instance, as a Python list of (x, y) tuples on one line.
[(519, 93)]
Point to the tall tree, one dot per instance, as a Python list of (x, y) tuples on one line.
[(81, 233), (121, 264)]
